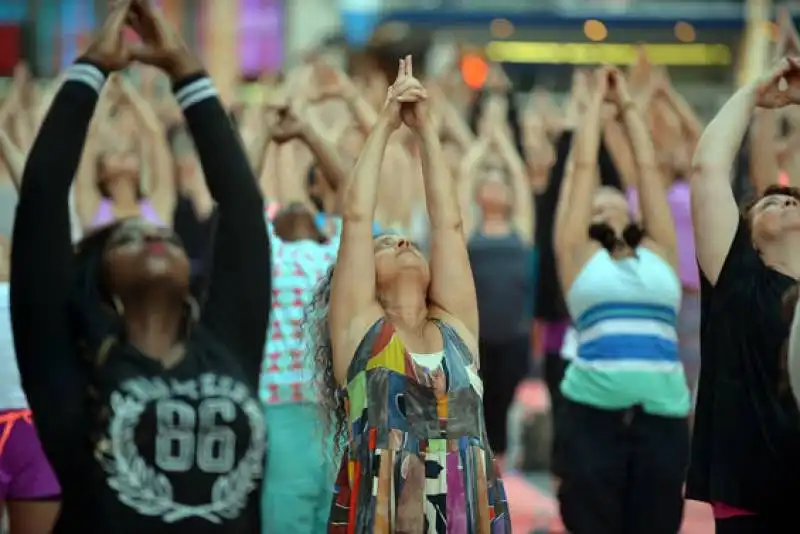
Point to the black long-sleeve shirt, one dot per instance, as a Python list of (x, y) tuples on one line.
[(180, 449)]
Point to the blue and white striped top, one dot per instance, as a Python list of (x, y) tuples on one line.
[(625, 313)]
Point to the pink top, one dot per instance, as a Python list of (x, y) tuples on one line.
[(679, 200), (105, 213)]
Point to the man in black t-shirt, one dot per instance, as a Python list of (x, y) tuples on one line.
[(746, 443)]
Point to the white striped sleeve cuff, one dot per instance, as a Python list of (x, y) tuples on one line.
[(86, 74), (197, 91)]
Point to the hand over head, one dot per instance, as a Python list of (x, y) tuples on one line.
[(788, 40), (108, 48), (330, 83), (285, 122), (616, 87), (406, 98), (781, 86), (162, 46)]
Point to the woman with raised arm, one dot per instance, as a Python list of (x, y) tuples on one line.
[(146, 405), (500, 236), (747, 426), (399, 367), (624, 439), (112, 181)]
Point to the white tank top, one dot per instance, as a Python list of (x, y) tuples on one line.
[(12, 397)]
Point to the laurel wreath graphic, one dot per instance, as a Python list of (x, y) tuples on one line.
[(150, 492)]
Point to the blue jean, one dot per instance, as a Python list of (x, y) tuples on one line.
[(298, 485)]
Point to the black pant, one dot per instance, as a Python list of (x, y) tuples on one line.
[(623, 471), (554, 368), (504, 364), (755, 524)]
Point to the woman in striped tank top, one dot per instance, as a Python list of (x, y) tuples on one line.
[(625, 436)]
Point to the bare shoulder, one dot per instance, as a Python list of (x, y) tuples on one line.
[(469, 338), (345, 341)]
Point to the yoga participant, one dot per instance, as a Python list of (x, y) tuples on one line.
[(550, 309), (122, 149), (747, 427), (499, 242), (624, 439), (171, 439), (298, 484), (396, 354), (29, 490)]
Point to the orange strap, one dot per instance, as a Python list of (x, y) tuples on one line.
[(8, 420)]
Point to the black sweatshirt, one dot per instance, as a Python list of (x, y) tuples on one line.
[(180, 449)]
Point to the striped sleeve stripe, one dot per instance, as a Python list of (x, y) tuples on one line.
[(195, 92), (86, 74)]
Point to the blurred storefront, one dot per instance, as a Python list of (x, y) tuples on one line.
[(246, 34), (539, 43)]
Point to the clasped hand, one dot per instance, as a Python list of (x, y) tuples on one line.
[(781, 86), (161, 45), (406, 99)]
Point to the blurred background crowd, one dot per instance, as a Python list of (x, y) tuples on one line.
[(533, 51)]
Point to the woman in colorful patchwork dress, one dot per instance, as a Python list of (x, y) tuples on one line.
[(397, 356)]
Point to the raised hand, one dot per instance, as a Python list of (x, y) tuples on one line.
[(617, 91), (162, 46), (107, 48), (405, 90), (788, 40), (781, 86), (331, 83), (287, 124), (414, 100)]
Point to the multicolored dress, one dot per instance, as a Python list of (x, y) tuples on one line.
[(417, 460)]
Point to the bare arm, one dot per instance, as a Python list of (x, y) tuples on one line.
[(353, 283), (690, 122), (654, 208), (574, 210), (522, 208), (325, 156), (466, 182), (452, 286), (763, 157), (714, 209), (87, 194), (162, 192), (13, 156)]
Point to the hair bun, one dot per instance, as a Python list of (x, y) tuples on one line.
[(633, 235), (604, 234)]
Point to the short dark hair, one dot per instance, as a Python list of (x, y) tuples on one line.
[(747, 206)]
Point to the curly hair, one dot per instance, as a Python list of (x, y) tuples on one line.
[(330, 394)]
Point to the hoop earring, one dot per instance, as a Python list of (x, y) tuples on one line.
[(118, 306), (194, 309)]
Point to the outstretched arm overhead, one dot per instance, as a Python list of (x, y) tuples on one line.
[(353, 304), (574, 210), (452, 289), (714, 210)]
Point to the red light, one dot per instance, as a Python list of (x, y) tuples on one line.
[(474, 71)]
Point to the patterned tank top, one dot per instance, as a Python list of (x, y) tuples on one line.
[(417, 459)]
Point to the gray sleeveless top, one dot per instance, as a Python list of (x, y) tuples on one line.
[(500, 268)]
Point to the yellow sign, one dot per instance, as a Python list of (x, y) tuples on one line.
[(678, 55)]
